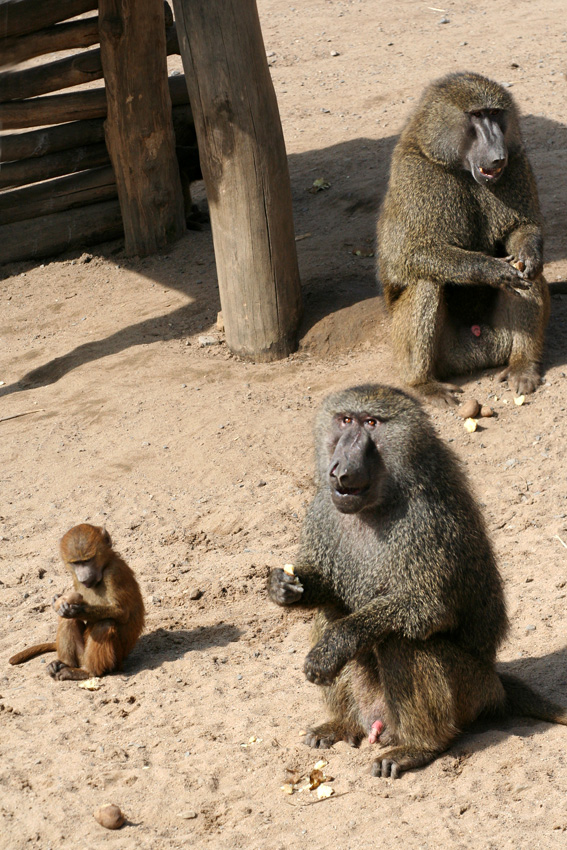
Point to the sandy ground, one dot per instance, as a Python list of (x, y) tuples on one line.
[(201, 467)]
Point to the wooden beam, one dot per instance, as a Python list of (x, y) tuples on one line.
[(63, 73), (79, 133), (18, 17), (48, 140), (245, 170), (139, 129), (71, 106), (64, 193), (61, 37), (53, 165), (53, 234)]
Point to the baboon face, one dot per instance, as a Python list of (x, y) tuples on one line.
[(85, 549), (355, 468), (486, 152)]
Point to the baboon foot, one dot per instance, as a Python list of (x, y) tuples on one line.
[(523, 380), (395, 761), (62, 672), (438, 392), (324, 736)]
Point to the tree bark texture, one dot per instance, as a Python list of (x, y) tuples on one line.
[(244, 166), (139, 128), (63, 193), (18, 17), (52, 234), (71, 106), (61, 37)]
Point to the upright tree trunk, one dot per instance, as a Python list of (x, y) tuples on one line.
[(138, 128), (244, 166)]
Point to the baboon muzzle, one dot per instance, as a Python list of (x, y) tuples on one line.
[(348, 472)]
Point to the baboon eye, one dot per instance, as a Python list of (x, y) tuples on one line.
[(476, 114), (494, 112), (346, 420), (371, 423)]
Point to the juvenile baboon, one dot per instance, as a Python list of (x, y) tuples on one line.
[(397, 560), (102, 619), (460, 241)]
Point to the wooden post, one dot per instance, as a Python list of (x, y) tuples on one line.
[(139, 129), (244, 165)]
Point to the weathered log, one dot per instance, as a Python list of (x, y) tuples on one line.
[(52, 234), (139, 128), (19, 17), (53, 165), (64, 193), (71, 106), (53, 109), (63, 73), (50, 139), (245, 170), (79, 133), (61, 37)]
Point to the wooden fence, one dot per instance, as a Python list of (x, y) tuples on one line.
[(58, 188)]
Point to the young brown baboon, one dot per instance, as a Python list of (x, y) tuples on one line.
[(397, 560), (460, 242), (102, 618)]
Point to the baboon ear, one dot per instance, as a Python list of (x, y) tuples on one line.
[(106, 538)]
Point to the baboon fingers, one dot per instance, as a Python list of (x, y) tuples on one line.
[(386, 768), (284, 589)]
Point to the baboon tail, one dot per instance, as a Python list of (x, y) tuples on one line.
[(31, 652), (524, 701)]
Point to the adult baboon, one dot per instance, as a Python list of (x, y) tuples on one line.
[(460, 241), (396, 558)]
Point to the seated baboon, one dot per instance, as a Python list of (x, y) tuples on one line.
[(460, 241), (396, 558)]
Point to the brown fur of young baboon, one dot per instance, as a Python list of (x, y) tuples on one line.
[(411, 611), (460, 241), (102, 619)]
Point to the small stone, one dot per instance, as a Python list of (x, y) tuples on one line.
[(530, 628), (335, 53), (189, 815), (109, 816), (196, 593), (262, 483), (207, 340), (444, 20), (486, 411)]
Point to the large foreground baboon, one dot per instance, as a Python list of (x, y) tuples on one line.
[(396, 558), (460, 242)]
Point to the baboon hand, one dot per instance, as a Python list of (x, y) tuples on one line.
[(510, 278), (284, 589), (527, 262), (54, 600), (324, 662), (71, 610)]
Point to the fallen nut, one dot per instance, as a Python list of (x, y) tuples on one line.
[(289, 569), (486, 411), (470, 425), (324, 791), (109, 816), (469, 409), (90, 684), (519, 399)]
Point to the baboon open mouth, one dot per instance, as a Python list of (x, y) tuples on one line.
[(491, 173), (349, 491)]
